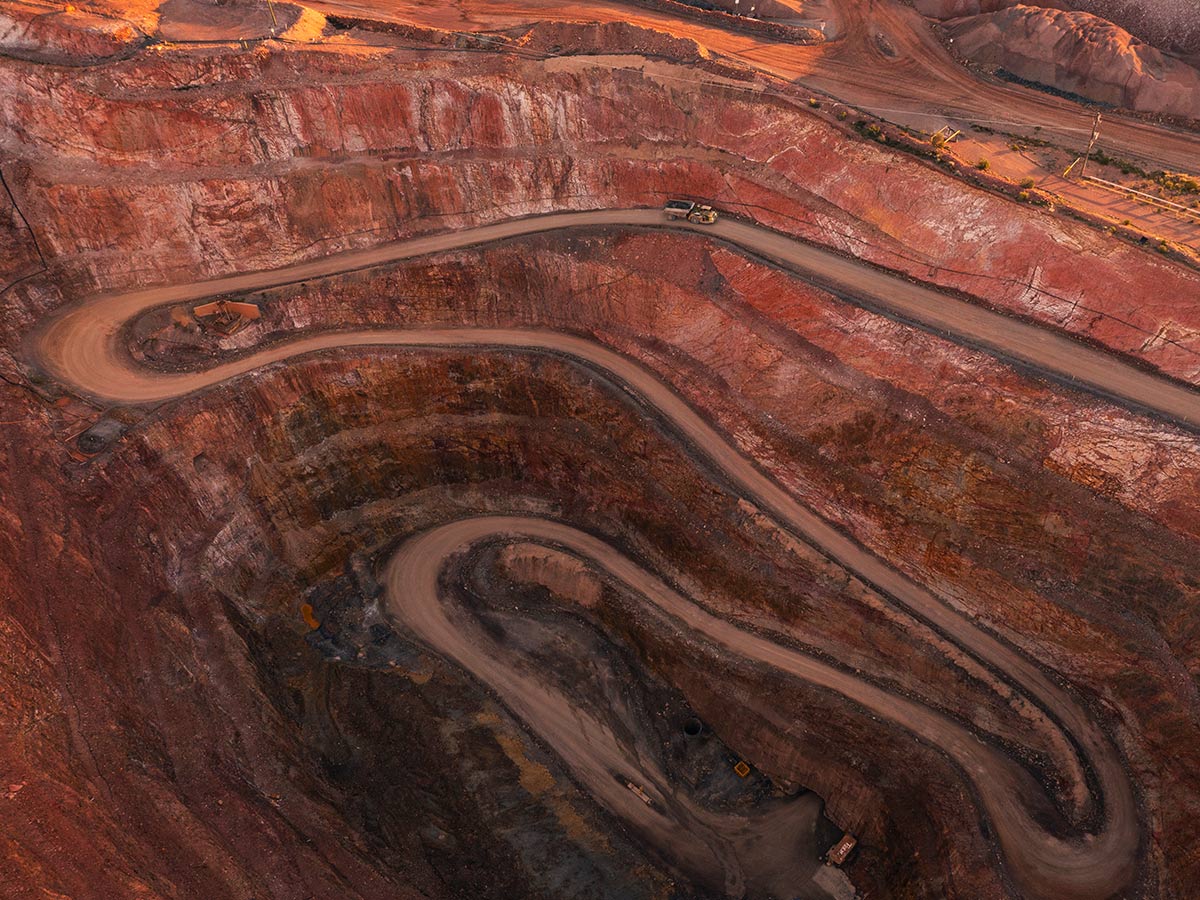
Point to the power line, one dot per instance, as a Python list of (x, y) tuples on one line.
[(1087, 156)]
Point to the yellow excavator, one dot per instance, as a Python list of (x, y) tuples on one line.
[(225, 315)]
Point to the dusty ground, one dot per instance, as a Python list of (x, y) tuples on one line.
[(329, 608)]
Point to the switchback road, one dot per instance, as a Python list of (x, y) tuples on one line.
[(1095, 867), (82, 348)]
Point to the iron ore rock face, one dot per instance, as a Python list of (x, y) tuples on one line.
[(396, 503)]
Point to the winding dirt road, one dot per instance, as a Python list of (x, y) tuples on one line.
[(82, 348), (1095, 867), (736, 853)]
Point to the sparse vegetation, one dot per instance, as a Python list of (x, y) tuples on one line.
[(842, 115), (1177, 182), (1127, 168), (873, 131)]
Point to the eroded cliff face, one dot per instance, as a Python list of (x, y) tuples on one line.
[(203, 694), (998, 488), (1083, 54), (1133, 54), (1171, 25), (259, 159), (141, 757), (276, 483)]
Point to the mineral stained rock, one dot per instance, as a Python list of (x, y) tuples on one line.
[(1083, 54), (754, 560), (1171, 25)]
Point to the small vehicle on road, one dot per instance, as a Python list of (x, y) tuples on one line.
[(840, 851), (640, 793), (690, 210)]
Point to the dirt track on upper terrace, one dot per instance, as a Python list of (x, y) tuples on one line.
[(885, 59)]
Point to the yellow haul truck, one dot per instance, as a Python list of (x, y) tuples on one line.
[(690, 210)]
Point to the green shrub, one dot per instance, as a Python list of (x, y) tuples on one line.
[(872, 131), (1178, 182), (1028, 183), (983, 165)]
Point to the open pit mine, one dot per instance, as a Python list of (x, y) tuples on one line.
[(609, 450)]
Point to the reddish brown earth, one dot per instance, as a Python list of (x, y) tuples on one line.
[(1172, 25), (257, 183), (68, 36), (1083, 54), (203, 693)]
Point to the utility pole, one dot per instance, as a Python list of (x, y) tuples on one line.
[(1092, 143)]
